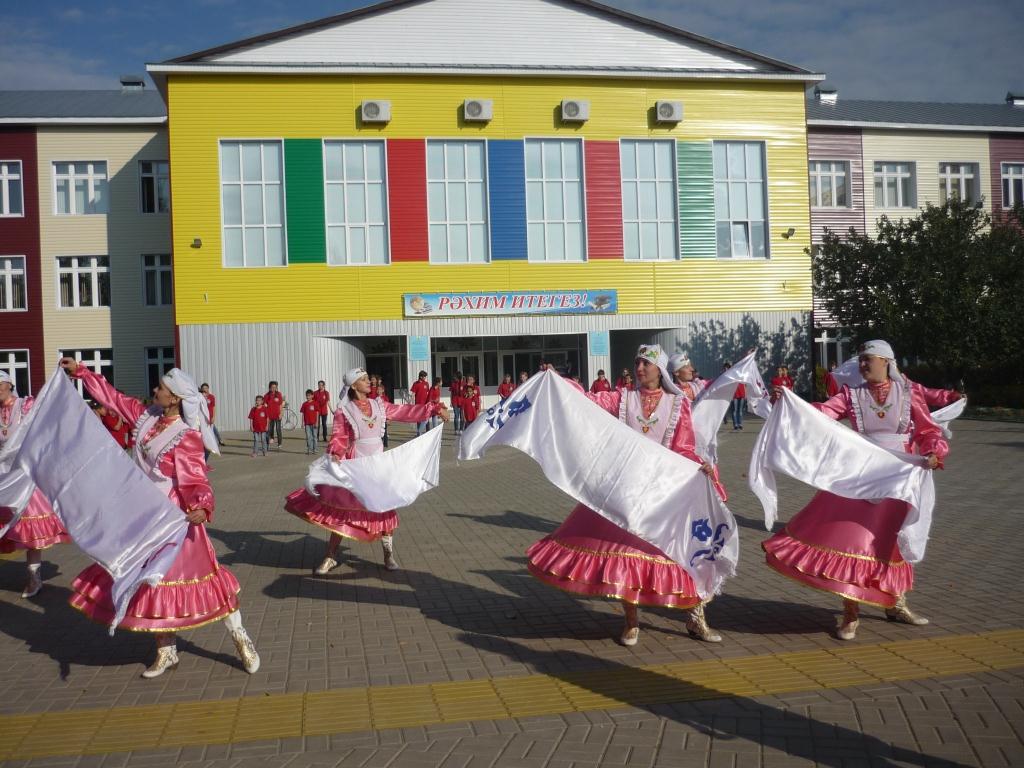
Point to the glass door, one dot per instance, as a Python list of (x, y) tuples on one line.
[(469, 363)]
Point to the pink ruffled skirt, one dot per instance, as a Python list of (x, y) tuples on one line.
[(38, 527), (589, 555), (195, 591), (846, 547), (340, 512)]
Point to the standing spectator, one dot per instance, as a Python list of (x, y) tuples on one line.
[(523, 378), (455, 391), (274, 402), (739, 398), (780, 380), (620, 383), (322, 397), (627, 383), (434, 396), (831, 385), (118, 428), (601, 383), (470, 401), (420, 396), (380, 392), (211, 403), (310, 413), (259, 420), (506, 387)]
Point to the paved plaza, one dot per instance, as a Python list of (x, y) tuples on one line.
[(462, 660)]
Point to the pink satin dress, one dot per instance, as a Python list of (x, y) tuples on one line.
[(847, 546), (590, 555), (355, 434), (38, 527), (196, 590)]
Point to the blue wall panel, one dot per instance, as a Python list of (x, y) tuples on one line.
[(507, 183)]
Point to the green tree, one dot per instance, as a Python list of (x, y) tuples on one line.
[(944, 287)]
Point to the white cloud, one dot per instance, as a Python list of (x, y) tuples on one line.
[(32, 65)]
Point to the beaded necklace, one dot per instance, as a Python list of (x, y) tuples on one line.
[(161, 426), (649, 400), (879, 394), (5, 423), (364, 406)]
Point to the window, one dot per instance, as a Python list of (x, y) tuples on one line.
[(554, 200), (156, 279), (99, 360), (80, 188), (15, 363), (356, 202), (84, 281), (740, 226), (959, 180), (1013, 184), (649, 200), (457, 201), (155, 181), (253, 203), (830, 184), (10, 188), (12, 283), (894, 185), (159, 360)]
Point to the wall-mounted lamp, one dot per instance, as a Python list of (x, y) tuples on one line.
[(788, 233), (197, 243)]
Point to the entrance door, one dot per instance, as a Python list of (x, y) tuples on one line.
[(470, 363)]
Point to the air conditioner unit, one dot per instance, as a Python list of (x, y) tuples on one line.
[(478, 110), (575, 110), (375, 111), (668, 112)]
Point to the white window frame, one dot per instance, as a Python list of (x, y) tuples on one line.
[(362, 184), (8, 275), (94, 268), (748, 221), (161, 272), (885, 175), (224, 227), (1006, 174), (960, 182), (532, 258), (834, 174), (156, 356), (102, 362), (91, 178), (7, 179), (154, 176), (11, 365), (660, 220), (448, 222)]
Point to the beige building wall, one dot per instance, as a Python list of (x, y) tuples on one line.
[(124, 234), (925, 149)]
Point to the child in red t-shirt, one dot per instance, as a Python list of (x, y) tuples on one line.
[(506, 387), (322, 397), (420, 390), (434, 396), (259, 420), (470, 400), (310, 411), (275, 402)]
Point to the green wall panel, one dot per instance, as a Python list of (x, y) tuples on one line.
[(304, 191), (696, 199)]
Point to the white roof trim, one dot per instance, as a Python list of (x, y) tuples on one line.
[(84, 120), (407, 69), (917, 126)]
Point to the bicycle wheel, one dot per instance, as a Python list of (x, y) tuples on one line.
[(289, 420)]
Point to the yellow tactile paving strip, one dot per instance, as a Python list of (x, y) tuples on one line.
[(281, 716)]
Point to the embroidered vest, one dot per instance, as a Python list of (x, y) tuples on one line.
[(660, 426), (368, 430), (887, 424), (11, 428), (148, 456)]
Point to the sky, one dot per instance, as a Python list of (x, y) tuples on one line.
[(902, 50)]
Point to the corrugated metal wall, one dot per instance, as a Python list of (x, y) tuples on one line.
[(844, 145), (602, 176), (1003, 148), (696, 199), (506, 184), (407, 200), (304, 201)]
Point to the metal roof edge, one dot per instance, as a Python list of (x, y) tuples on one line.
[(83, 120), (916, 126)]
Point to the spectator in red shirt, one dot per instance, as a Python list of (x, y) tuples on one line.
[(739, 398), (627, 382), (274, 402), (116, 426), (259, 420), (620, 383), (601, 383), (434, 396), (455, 390), (322, 397), (506, 387), (780, 380), (310, 411), (420, 396), (831, 385), (470, 400)]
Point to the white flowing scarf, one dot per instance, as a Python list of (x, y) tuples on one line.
[(713, 402), (800, 441), (625, 477)]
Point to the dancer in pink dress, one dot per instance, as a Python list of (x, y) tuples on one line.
[(358, 431), (848, 546), (685, 376), (37, 528), (169, 439), (589, 555)]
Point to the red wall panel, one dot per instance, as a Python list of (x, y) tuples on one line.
[(604, 199), (1003, 148), (407, 199)]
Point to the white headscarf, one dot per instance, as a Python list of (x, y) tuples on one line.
[(5, 376), (882, 349), (195, 411), (350, 378), (653, 353), (677, 361)]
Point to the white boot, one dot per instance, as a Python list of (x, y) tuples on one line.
[(243, 643), (848, 624), (901, 613), (328, 564), (166, 658), (35, 581), (388, 543), (698, 627)]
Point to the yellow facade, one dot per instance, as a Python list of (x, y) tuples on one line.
[(203, 109)]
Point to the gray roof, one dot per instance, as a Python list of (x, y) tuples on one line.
[(112, 106), (910, 114)]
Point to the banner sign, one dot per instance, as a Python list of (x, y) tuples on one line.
[(570, 302)]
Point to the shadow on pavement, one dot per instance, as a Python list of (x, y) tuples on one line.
[(511, 518)]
